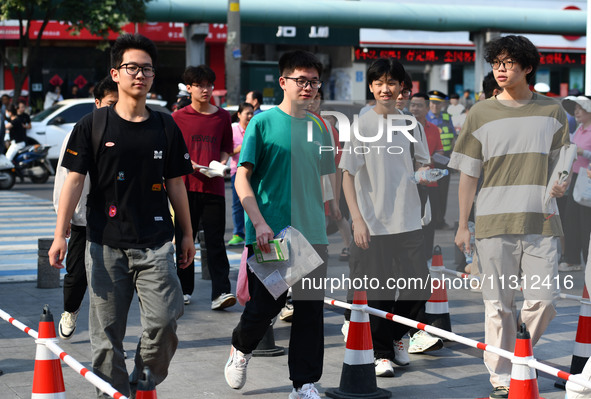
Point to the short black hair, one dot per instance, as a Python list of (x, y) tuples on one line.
[(257, 95), (421, 95), (489, 84), (241, 108), (386, 66), (298, 59), (455, 96), (407, 81), (137, 42), (106, 85), (198, 74), (519, 48)]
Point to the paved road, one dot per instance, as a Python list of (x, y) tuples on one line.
[(197, 368)]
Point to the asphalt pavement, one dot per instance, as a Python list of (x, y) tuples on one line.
[(196, 371)]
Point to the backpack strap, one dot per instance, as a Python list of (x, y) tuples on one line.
[(99, 124)]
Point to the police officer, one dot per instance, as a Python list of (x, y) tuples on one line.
[(443, 121)]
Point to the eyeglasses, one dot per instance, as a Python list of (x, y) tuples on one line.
[(133, 69), (303, 83), (202, 88), (406, 93), (507, 64)]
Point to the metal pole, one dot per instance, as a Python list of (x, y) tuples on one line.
[(233, 53), (587, 51)]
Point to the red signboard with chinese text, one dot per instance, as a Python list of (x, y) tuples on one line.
[(55, 30)]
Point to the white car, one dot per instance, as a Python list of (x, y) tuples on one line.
[(50, 126)]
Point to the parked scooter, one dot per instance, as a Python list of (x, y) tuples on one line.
[(32, 162), (7, 173)]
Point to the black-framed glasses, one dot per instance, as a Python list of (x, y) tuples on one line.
[(507, 64), (203, 87), (303, 83), (133, 69)]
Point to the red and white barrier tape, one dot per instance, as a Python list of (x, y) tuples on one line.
[(69, 360), (462, 340)]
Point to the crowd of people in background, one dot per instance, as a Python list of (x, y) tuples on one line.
[(386, 221)]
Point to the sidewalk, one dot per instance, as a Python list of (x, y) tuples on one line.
[(197, 368)]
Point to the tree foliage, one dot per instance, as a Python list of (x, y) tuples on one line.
[(97, 16)]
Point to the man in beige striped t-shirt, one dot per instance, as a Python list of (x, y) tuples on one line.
[(511, 139)]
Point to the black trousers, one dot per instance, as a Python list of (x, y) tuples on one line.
[(306, 341), (442, 191), (210, 210), (400, 257), (577, 228), (75, 279)]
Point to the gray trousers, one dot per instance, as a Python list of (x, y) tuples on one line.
[(113, 274), (507, 263)]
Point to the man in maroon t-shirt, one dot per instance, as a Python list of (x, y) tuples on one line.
[(208, 133)]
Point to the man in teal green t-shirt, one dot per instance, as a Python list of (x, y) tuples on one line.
[(285, 152)]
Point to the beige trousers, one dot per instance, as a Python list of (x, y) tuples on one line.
[(509, 263)]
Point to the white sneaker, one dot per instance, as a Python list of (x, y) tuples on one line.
[(223, 301), (307, 391), (345, 329), (565, 267), (384, 368), (286, 313), (67, 324), (187, 299), (422, 342), (235, 371), (400, 354)]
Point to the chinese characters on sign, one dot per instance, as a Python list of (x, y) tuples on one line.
[(442, 56)]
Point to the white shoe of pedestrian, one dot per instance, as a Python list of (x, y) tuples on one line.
[(400, 354), (235, 371), (67, 324), (565, 267), (187, 299), (307, 391), (223, 301), (422, 341), (384, 368)]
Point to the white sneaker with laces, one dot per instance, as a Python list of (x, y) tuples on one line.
[(400, 354), (67, 324), (565, 267), (345, 329), (235, 371), (307, 391), (384, 368), (223, 301), (422, 342)]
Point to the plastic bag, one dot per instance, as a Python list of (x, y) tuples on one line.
[(242, 292), (302, 258), (582, 190)]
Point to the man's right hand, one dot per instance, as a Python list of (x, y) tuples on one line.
[(57, 252), (264, 235), (462, 239), (361, 234)]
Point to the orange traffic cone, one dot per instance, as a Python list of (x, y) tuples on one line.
[(48, 381), (358, 378), (146, 389), (437, 307), (524, 384), (582, 350)]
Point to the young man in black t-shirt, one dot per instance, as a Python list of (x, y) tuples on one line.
[(135, 169)]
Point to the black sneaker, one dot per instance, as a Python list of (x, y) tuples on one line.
[(344, 256), (500, 393)]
